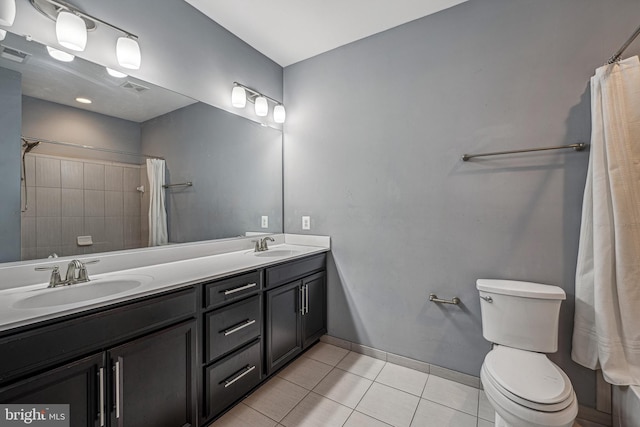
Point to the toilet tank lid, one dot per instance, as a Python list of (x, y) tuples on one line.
[(520, 289)]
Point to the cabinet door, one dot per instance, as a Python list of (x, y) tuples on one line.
[(153, 379), (283, 328), (76, 384), (314, 319)]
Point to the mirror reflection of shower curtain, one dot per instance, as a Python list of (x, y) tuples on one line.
[(607, 312), (157, 209)]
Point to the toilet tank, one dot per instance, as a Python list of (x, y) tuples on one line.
[(521, 315)]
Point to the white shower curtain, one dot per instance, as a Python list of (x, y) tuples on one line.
[(607, 314), (157, 211)]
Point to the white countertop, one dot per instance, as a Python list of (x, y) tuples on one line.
[(154, 279)]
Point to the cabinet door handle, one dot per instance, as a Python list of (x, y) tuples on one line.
[(118, 384), (302, 300), (306, 300), (236, 328), (241, 288), (246, 370), (101, 394)]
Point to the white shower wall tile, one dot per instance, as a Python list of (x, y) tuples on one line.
[(114, 178), (94, 203), (48, 202), (93, 176), (114, 203), (47, 172), (72, 174), (72, 202)]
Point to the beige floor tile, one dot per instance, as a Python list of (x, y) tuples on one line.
[(326, 353), (485, 423), (358, 419), (242, 416), (276, 398), (387, 404), (305, 372), (402, 378), (362, 365), (485, 410), (317, 411), (454, 395), (343, 387), (430, 414)]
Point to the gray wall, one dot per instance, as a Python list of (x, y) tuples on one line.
[(10, 106), (373, 140), (57, 122), (235, 166)]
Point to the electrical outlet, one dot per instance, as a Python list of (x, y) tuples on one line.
[(265, 221), (306, 223)]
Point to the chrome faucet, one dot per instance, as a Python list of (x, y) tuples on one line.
[(261, 245), (76, 273)]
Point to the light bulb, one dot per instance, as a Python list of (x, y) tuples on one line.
[(115, 73), (238, 97), (71, 31), (279, 114), (262, 107), (82, 100), (60, 55), (7, 12), (128, 53)]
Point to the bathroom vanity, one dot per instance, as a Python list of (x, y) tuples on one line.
[(177, 356)]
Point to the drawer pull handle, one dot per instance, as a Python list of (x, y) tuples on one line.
[(243, 325), (118, 389), (101, 385), (241, 288), (246, 370)]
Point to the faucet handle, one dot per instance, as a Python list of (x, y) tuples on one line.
[(258, 246), (55, 279), (83, 276)]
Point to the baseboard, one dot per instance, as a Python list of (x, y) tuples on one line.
[(594, 416)]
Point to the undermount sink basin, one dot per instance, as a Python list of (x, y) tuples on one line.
[(97, 288), (277, 253)]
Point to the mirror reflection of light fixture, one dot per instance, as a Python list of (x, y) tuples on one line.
[(71, 31), (83, 100), (261, 106), (7, 12), (279, 113), (60, 55), (116, 73), (128, 53), (238, 97), (241, 94), (3, 34)]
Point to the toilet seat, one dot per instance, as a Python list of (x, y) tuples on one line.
[(528, 379)]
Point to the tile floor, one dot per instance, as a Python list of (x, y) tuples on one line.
[(330, 386)]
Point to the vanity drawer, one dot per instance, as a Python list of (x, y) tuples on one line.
[(294, 270), (231, 289), (230, 327), (232, 378)]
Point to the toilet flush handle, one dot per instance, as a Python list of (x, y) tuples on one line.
[(487, 299)]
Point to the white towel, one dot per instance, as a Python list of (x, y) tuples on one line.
[(607, 314)]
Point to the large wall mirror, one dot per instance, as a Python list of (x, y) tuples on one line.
[(95, 199)]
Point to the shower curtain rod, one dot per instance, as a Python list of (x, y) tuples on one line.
[(616, 56), (89, 147)]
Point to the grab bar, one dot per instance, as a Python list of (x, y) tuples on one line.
[(434, 298), (182, 184), (577, 147)]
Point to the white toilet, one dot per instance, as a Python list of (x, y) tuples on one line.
[(524, 387)]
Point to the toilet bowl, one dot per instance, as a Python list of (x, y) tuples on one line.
[(524, 387)]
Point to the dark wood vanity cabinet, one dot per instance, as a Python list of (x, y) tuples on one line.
[(296, 301), (176, 359), (131, 366)]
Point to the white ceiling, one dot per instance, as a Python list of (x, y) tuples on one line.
[(289, 31)]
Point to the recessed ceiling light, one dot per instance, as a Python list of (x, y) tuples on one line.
[(83, 100)]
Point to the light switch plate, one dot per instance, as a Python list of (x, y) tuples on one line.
[(265, 221), (306, 223)]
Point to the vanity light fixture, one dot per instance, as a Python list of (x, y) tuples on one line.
[(3, 34), (7, 12), (60, 55), (116, 73), (82, 100), (241, 94), (72, 25), (71, 31)]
